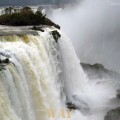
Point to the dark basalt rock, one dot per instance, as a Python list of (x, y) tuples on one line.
[(71, 106), (3, 63), (50, 23), (113, 114), (94, 66), (95, 71), (56, 35), (37, 28)]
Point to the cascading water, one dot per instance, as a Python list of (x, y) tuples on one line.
[(29, 84), (43, 75)]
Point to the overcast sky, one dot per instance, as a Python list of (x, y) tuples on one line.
[(32, 2)]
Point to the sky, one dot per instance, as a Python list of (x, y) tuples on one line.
[(32, 2)]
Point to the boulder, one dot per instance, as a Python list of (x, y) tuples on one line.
[(71, 106)]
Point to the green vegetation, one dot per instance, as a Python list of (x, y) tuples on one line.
[(56, 35), (8, 10), (24, 17)]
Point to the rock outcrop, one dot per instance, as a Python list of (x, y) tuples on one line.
[(99, 71), (37, 28), (113, 114), (56, 35), (3, 63), (71, 106)]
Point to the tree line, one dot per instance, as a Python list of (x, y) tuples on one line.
[(24, 17)]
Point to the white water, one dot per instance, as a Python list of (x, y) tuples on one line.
[(44, 75), (29, 86)]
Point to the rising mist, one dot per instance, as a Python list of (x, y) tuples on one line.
[(94, 28)]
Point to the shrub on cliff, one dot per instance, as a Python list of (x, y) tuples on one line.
[(56, 35)]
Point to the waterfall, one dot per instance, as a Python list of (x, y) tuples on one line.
[(74, 79), (28, 86), (44, 75)]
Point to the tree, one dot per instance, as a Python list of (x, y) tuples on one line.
[(8, 10), (38, 13), (25, 17), (26, 9), (15, 10)]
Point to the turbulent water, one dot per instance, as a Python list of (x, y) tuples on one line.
[(44, 75)]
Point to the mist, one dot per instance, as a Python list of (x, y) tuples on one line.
[(94, 28)]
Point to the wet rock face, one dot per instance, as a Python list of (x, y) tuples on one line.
[(71, 106), (56, 35), (4, 61), (113, 114), (97, 70), (37, 28)]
